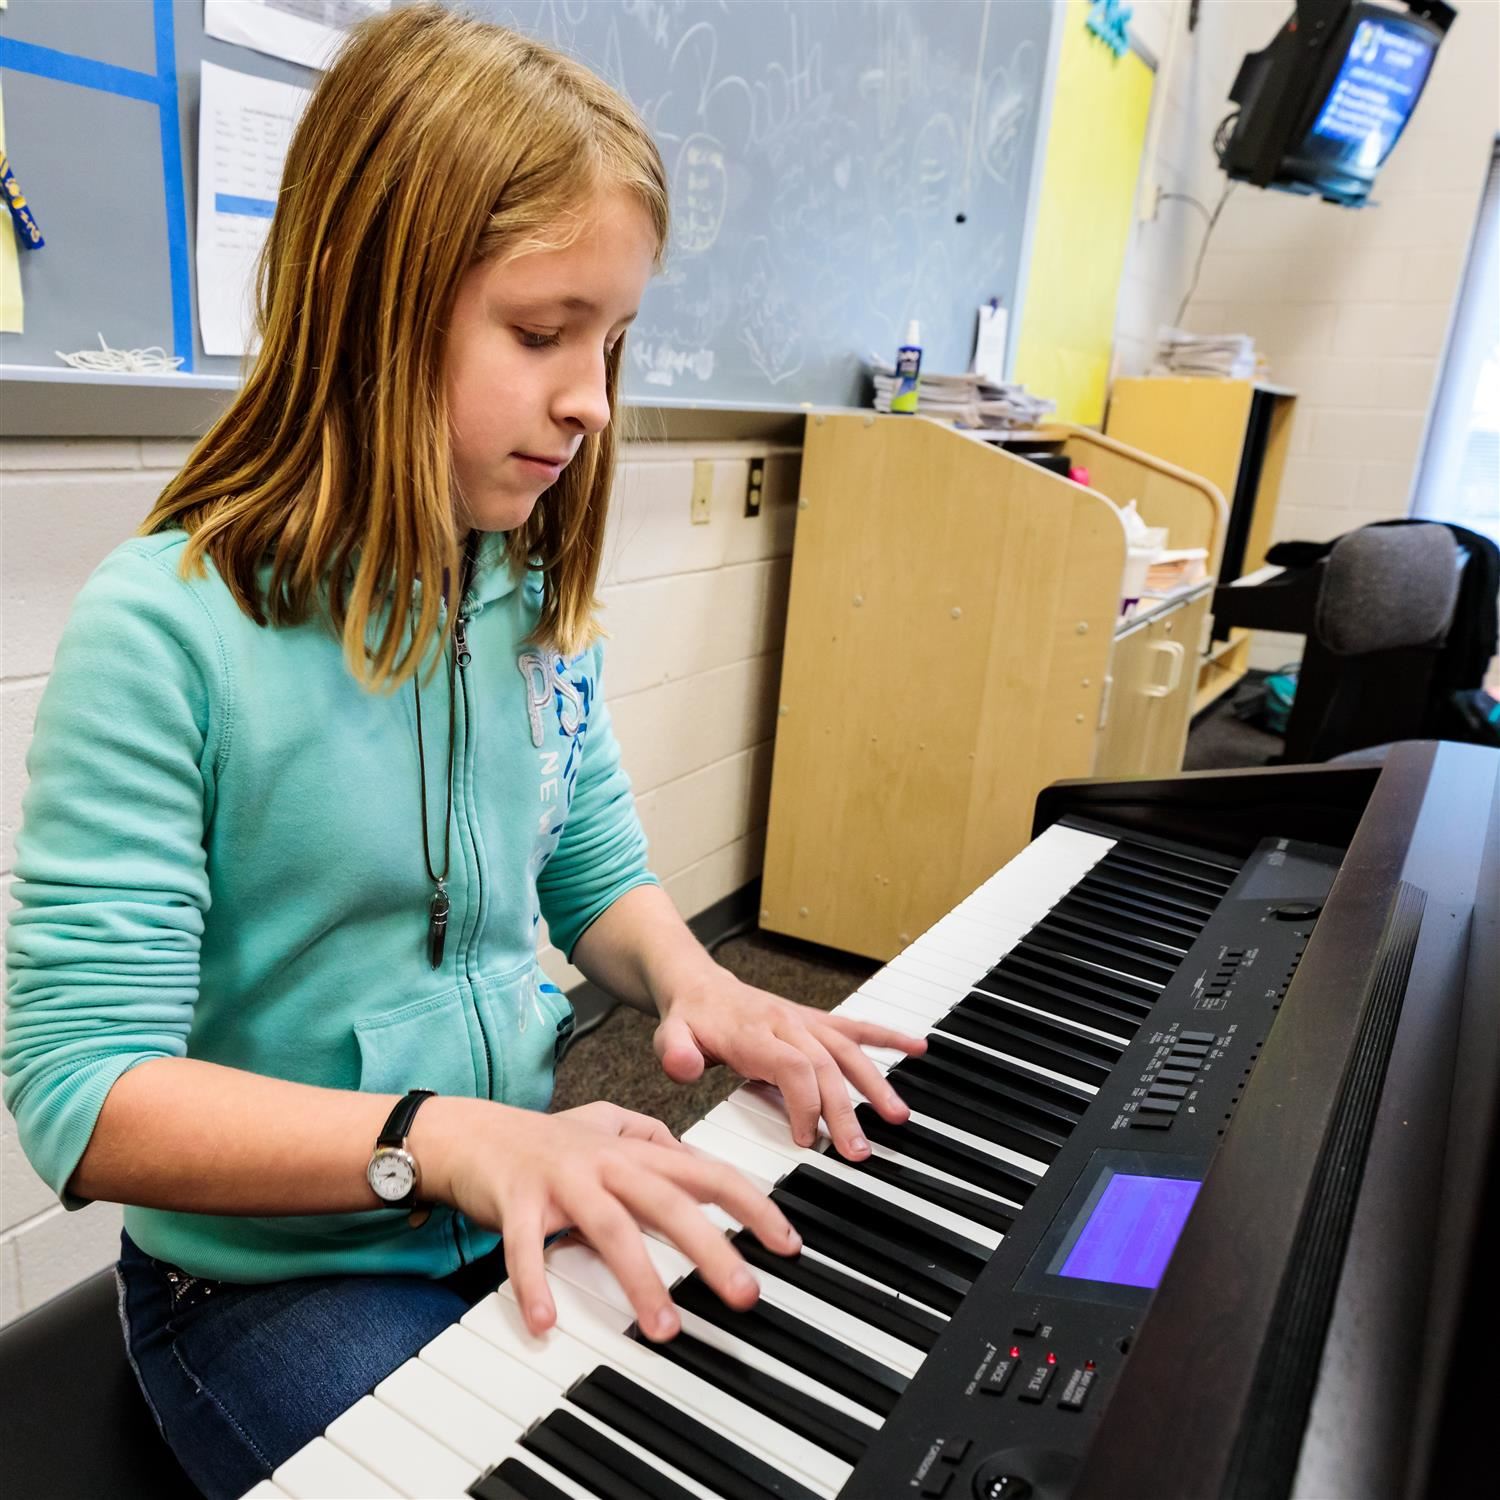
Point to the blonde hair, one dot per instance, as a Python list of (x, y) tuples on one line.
[(433, 143)]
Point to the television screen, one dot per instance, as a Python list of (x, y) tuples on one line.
[(1372, 97), (1323, 105)]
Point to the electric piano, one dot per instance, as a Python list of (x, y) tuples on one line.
[(1188, 1205)]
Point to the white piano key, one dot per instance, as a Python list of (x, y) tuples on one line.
[(470, 1427), (320, 1471), (517, 1395), (743, 1126), (922, 1000), (498, 1320), (584, 1269), (584, 1320), (265, 1490), (411, 1461)]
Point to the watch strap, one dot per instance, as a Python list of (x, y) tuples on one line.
[(399, 1122)]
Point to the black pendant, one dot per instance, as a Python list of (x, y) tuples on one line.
[(437, 926)]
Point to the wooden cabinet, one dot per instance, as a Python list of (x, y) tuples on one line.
[(1235, 433), (950, 637), (1152, 680)]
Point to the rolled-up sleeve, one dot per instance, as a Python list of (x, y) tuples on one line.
[(602, 852), (102, 950)]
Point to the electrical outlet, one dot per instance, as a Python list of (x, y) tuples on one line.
[(754, 484), (703, 489)]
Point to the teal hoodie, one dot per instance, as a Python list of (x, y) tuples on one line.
[(221, 858)]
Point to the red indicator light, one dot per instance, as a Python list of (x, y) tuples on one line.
[(1051, 1359), (1015, 1351)]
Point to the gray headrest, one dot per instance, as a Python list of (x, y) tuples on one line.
[(1388, 587)]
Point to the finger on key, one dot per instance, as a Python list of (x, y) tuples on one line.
[(838, 1107), (868, 1079), (616, 1236), (713, 1181), (525, 1265), (868, 1034), (679, 1218), (790, 1071)]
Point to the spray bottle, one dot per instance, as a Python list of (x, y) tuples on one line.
[(908, 370)]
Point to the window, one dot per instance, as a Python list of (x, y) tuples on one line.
[(1459, 477)]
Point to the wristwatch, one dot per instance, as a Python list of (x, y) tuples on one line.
[(393, 1174)]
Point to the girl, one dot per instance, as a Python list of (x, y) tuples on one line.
[(321, 746)]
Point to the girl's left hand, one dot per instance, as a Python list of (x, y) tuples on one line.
[(809, 1055)]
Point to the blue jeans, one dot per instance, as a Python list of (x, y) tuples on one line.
[(239, 1377)]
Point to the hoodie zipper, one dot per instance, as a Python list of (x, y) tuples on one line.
[(463, 657)]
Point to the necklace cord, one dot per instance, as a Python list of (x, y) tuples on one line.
[(437, 879)]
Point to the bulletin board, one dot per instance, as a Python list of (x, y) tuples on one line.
[(1097, 133)]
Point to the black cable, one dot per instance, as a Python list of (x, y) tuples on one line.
[(1213, 219), (1185, 198)]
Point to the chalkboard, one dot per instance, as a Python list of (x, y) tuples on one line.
[(837, 167)]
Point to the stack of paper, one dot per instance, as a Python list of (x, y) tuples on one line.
[(969, 400), (1226, 354)]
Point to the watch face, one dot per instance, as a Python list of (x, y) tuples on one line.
[(392, 1174)]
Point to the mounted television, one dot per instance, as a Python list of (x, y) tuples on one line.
[(1322, 107)]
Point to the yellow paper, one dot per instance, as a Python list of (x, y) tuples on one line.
[(1097, 132), (12, 305)]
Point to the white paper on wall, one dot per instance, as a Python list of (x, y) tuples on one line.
[(244, 127), (302, 31)]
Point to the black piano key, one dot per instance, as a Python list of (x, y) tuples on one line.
[(844, 1436), (959, 1200), (1080, 919), (977, 1119), (512, 1480), (912, 1325), (1203, 863), (1137, 905), (1098, 950), (1131, 998), (1195, 884), (990, 1028), (890, 1223), (1172, 898), (1011, 983), (584, 1453), (902, 1270), (926, 1091), (1062, 1102), (938, 1150), (1170, 937), (797, 1343), (687, 1444)]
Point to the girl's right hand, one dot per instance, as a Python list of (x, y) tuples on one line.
[(604, 1171)]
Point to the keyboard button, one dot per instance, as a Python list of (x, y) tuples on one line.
[(1038, 1378)]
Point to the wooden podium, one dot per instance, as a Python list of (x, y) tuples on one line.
[(954, 644)]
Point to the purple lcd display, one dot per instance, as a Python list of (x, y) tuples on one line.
[(1130, 1235)]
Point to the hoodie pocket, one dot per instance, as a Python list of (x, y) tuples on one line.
[(528, 1019), (424, 1044)]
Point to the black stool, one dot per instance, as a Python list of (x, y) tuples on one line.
[(76, 1424)]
